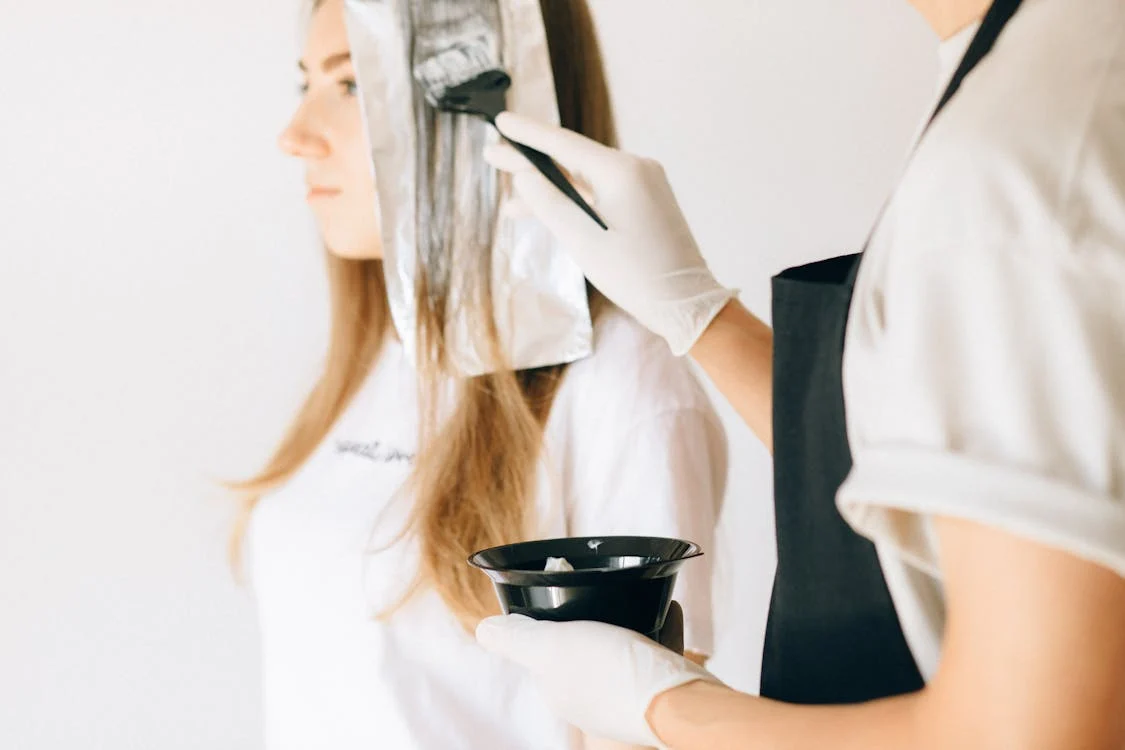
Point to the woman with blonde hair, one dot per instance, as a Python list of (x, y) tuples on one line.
[(356, 533)]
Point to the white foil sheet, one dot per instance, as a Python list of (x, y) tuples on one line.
[(539, 294)]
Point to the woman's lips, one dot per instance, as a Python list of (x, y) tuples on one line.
[(318, 192)]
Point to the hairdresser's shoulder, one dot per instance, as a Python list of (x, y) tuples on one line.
[(1034, 143), (1054, 72)]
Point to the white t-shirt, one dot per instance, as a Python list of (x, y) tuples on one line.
[(984, 366), (632, 446)]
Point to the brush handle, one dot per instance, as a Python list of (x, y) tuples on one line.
[(546, 165)]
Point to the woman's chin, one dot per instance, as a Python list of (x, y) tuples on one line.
[(354, 250)]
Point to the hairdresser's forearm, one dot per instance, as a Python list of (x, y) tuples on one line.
[(736, 352), (703, 716), (1031, 657)]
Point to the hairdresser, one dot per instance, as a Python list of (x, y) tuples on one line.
[(947, 421)]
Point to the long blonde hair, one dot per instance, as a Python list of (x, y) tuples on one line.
[(473, 479)]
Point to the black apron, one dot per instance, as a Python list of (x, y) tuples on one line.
[(833, 635)]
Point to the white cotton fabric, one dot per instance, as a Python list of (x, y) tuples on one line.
[(633, 446), (984, 366)]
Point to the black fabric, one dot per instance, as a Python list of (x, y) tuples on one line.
[(833, 635)]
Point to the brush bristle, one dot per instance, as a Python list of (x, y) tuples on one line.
[(456, 65)]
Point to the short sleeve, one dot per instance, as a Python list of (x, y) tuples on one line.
[(665, 475), (991, 388)]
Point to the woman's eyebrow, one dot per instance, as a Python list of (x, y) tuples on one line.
[(330, 62)]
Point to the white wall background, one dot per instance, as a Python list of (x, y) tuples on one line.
[(161, 307)]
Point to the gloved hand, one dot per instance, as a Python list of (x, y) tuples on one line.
[(648, 262), (598, 677)]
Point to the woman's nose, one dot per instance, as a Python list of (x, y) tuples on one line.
[(301, 138)]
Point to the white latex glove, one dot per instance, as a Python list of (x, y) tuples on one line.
[(648, 262), (598, 677)]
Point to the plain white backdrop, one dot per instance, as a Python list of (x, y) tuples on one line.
[(162, 308)]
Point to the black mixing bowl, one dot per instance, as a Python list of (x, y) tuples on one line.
[(621, 580)]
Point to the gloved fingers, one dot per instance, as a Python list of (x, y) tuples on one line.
[(517, 638), (559, 213), (504, 157), (672, 634), (575, 153), (517, 208)]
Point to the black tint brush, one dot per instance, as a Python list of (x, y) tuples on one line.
[(465, 77)]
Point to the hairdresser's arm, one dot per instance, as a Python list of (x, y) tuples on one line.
[(648, 262), (736, 352), (1033, 658)]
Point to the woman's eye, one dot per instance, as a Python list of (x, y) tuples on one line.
[(350, 87), (303, 88)]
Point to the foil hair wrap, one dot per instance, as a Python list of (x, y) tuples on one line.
[(451, 240)]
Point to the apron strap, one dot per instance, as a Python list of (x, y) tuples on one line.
[(1000, 12)]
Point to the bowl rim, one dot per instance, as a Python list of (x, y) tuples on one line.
[(693, 550)]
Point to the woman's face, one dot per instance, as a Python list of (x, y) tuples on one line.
[(326, 132)]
